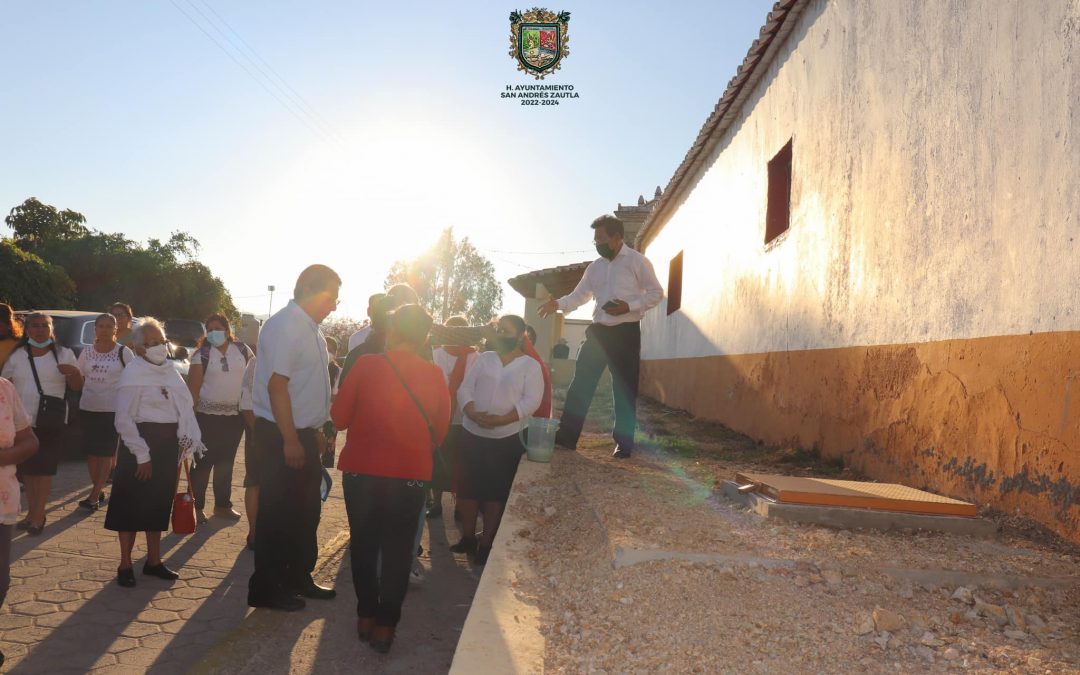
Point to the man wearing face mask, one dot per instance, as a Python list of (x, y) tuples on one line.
[(291, 400), (624, 285)]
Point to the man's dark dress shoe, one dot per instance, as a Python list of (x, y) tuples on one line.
[(160, 571), (316, 592)]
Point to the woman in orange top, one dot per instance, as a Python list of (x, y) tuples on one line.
[(396, 408)]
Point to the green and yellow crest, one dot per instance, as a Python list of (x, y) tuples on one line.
[(539, 40)]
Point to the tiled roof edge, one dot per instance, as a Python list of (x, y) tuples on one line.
[(778, 23)]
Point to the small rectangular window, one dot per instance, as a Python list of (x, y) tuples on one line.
[(674, 284), (778, 211)]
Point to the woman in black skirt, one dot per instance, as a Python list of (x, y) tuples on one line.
[(498, 395), (156, 422), (101, 366)]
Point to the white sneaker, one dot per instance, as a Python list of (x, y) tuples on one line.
[(416, 577)]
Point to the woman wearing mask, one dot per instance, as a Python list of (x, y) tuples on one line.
[(17, 444), (42, 373), (156, 422), (10, 332), (101, 366), (498, 395), (215, 379)]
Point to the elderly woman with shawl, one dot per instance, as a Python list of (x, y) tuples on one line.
[(156, 422)]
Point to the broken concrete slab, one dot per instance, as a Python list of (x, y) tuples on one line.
[(847, 518)]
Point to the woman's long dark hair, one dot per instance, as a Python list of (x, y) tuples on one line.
[(219, 318), (7, 317)]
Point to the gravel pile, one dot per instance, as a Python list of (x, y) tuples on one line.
[(777, 597)]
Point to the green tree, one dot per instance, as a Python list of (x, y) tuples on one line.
[(28, 282), (36, 223), (452, 278), (162, 278)]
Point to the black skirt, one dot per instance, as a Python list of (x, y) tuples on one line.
[(145, 505), (99, 437), (488, 467), (45, 460)]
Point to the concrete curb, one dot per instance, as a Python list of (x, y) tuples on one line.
[(502, 633), (851, 518), (222, 655)]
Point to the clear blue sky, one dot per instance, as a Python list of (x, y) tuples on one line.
[(391, 128)]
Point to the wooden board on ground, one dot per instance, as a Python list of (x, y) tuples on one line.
[(854, 494)]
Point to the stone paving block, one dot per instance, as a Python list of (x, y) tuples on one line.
[(138, 630), (204, 582), (33, 608), (158, 641), (123, 644), (174, 627), (13, 621), (192, 593), (51, 620), (141, 657), (158, 616), (26, 571), (58, 596), (99, 575), (174, 604), (80, 585), (29, 635)]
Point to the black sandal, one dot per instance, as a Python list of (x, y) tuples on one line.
[(466, 545), (126, 578)]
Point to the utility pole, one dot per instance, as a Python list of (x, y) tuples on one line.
[(270, 311)]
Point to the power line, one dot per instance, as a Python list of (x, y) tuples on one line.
[(247, 70), (294, 95)]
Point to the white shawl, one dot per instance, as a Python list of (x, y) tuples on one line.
[(142, 373)]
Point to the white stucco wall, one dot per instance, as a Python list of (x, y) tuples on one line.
[(935, 194)]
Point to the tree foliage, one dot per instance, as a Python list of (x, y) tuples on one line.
[(35, 223), (452, 278), (28, 282), (161, 278), (341, 328)]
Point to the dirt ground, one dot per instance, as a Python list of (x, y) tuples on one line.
[(727, 591)]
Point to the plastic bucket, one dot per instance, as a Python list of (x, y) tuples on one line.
[(540, 439)]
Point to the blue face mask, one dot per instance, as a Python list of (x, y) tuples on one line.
[(216, 337), (39, 345)]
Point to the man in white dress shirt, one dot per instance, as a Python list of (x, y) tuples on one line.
[(291, 400), (624, 285)]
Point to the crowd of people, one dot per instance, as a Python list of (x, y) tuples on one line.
[(428, 409)]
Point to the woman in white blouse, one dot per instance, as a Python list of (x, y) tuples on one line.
[(215, 378), (40, 366), (498, 395), (157, 426), (101, 366)]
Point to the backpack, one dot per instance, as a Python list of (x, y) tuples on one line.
[(204, 352)]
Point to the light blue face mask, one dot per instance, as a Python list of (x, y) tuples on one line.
[(216, 337), (39, 345)]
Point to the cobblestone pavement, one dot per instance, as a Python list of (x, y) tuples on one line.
[(66, 614)]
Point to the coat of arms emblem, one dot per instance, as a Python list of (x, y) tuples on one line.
[(539, 40)]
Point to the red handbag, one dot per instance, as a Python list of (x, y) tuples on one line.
[(183, 510)]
